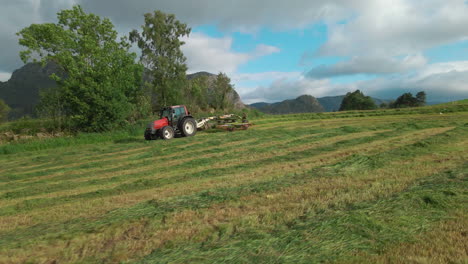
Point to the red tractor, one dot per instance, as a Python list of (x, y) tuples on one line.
[(174, 120)]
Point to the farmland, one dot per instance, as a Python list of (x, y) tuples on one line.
[(370, 186)]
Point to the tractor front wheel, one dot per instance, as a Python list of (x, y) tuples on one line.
[(167, 132)]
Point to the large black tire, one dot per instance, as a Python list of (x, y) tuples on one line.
[(188, 127), (167, 132)]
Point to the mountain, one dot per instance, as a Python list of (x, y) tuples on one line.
[(331, 103), (21, 92), (259, 105), (302, 104)]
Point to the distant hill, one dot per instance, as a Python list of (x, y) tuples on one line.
[(259, 105), (327, 104), (302, 104), (331, 103), (21, 92)]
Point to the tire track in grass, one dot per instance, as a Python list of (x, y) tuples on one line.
[(143, 238), (255, 174)]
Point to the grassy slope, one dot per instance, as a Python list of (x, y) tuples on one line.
[(370, 186)]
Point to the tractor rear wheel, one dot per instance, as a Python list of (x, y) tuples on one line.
[(167, 132), (188, 127)]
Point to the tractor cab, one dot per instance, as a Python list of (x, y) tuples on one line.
[(174, 113), (174, 120)]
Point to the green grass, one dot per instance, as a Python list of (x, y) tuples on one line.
[(306, 188)]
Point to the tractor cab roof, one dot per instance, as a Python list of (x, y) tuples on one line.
[(174, 106)]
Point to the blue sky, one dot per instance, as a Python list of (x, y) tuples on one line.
[(275, 50)]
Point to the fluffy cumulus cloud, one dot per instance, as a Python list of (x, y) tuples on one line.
[(205, 53), (398, 27)]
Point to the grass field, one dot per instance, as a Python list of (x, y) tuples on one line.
[(388, 186)]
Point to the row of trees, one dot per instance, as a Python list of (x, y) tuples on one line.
[(100, 82), (358, 101), (407, 100)]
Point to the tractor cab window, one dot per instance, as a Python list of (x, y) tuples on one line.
[(166, 113), (179, 112)]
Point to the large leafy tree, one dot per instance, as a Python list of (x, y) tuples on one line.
[(408, 100), (421, 98), (357, 101), (196, 93), (222, 88), (160, 44), (98, 78)]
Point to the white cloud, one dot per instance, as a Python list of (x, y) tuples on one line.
[(264, 76), (205, 53), (369, 65), (4, 76), (285, 88), (445, 67), (441, 82), (263, 50), (398, 27)]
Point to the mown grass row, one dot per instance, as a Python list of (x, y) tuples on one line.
[(140, 183), (191, 199), (171, 175)]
